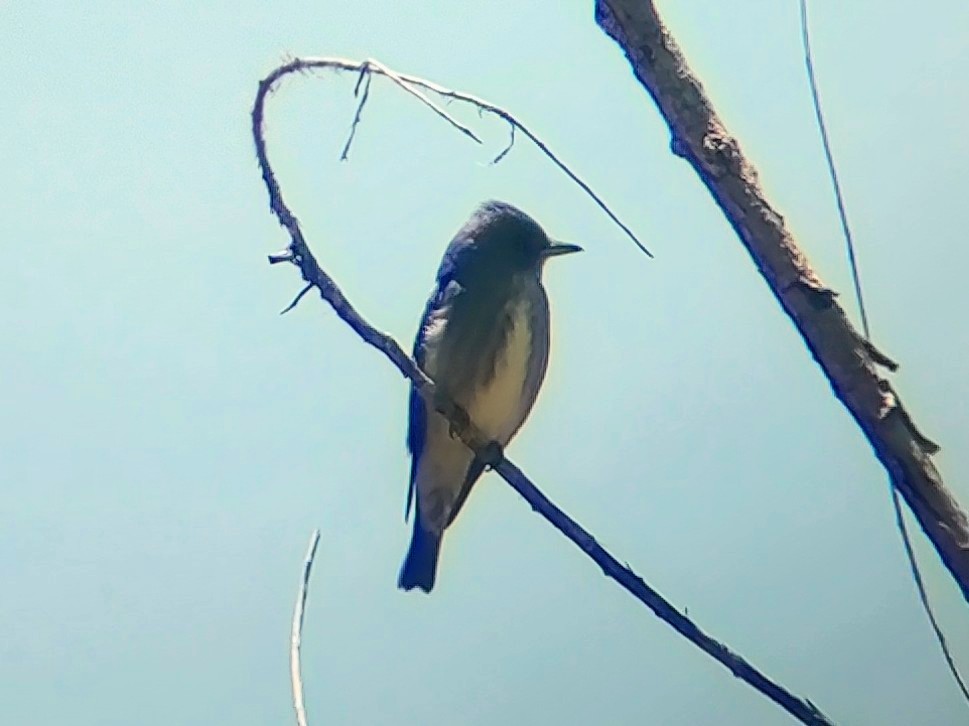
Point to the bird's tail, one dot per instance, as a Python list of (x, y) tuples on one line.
[(420, 565)]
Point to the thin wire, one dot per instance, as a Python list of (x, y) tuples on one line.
[(832, 171), (853, 263), (923, 596)]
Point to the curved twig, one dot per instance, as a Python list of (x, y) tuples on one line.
[(412, 83), (296, 635), (487, 451)]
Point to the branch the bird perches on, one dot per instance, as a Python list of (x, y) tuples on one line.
[(299, 254)]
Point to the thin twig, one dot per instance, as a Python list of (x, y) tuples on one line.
[(299, 296), (511, 143), (877, 355), (295, 670), (365, 80), (802, 709), (285, 255), (410, 83), (488, 452), (923, 595), (832, 171)]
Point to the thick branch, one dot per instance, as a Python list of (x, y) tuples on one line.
[(699, 136), (487, 451)]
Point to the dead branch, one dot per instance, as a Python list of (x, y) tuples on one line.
[(699, 136)]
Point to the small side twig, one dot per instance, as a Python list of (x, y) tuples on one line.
[(283, 256), (411, 84), (363, 80), (299, 296), (295, 671), (832, 169), (511, 143)]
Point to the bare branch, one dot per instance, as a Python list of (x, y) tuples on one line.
[(295, 671), (410, 84), (489, 452), (700, 137)]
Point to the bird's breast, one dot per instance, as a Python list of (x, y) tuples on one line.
[(496, 405)]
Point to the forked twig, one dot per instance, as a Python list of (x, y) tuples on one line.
[(411, 84)]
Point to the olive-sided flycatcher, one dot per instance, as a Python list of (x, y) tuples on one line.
[(484, 341)]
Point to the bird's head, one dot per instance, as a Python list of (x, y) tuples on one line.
[(501, 240)]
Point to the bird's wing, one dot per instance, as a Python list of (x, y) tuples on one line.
[(444, 294), (416, 431), (474, 471)]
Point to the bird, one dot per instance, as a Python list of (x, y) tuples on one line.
[(484, 341)]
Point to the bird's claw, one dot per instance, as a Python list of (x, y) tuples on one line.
[(491, 454), (458, 422), (457, 418)]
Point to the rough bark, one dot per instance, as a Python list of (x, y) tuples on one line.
[(850, 362)]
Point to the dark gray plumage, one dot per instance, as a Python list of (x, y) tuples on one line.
[(484, 340)]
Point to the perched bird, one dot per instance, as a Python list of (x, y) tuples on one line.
[(484, 341)]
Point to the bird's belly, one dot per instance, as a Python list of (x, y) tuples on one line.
[(496, 407)]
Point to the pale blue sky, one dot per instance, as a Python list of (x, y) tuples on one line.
[(167, 441)]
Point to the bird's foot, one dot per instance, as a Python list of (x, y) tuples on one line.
[(491, 454), (457, 418)]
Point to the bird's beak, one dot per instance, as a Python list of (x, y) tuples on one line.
[(555, 249)]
